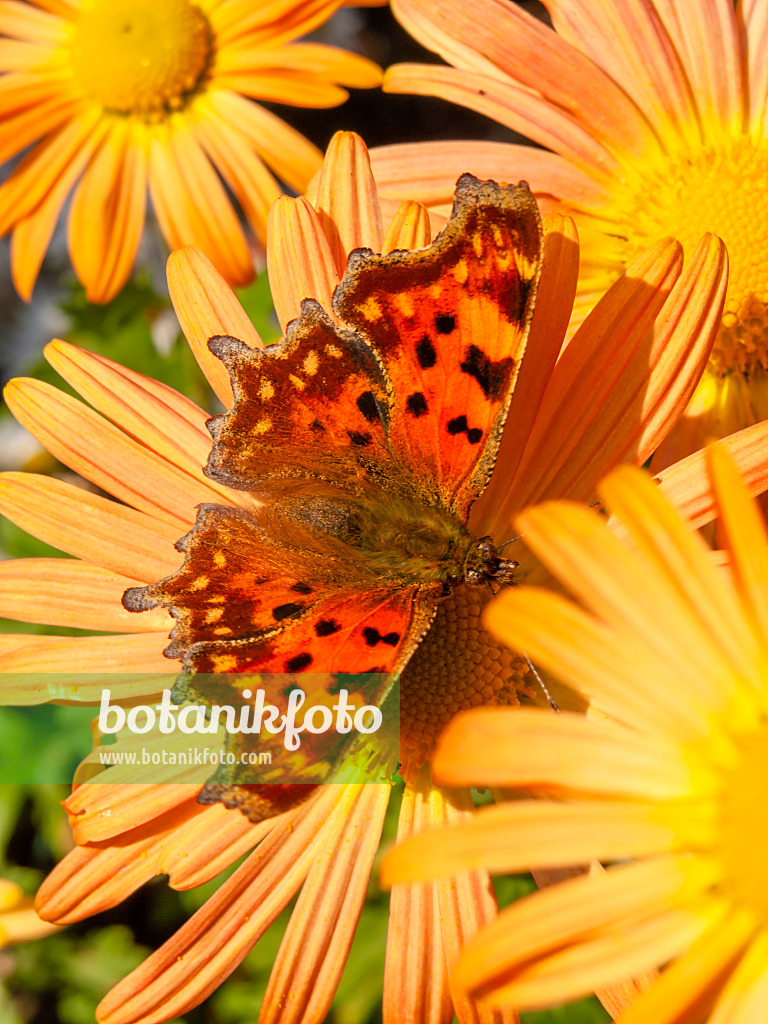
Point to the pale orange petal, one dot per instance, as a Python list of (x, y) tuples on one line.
[(316, 943), (511, 105), (68, 592), (415, 974), (430, 170), (205, 950), (91, 446), (299, 259), (90, 527), (206, 306), (347, 201), (101, 811), (273, 22), (410, 228), (753, 15), (25, 21), (70, 661)]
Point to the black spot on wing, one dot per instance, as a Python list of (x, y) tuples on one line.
[(359, 440), (425, 353), (327, 627), (489, 375), (373, 637), (459, 425), (299, 662), (287, 611), (445, 323), (317, 427), (416, 404), (366, 403), (301, 588)]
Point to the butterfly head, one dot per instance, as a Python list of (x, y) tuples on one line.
[(483, 564)]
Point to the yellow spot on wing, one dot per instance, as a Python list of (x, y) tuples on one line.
[(262, 426), (226, 663), (213, 615), (297, 382), (333, 350), (404, 303), (311, 363), (219, 559), (266, 391), (200, 583), (461, 271), (371, 309)]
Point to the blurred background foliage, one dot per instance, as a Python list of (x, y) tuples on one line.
[(61, 979)]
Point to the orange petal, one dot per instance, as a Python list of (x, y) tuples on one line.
[(410, 228), (206, 306), (347, 201), (415, 974), (90, 527), (314, 949), (212, 943), (91, 446), (101, 811), (299, 259), (293, 158), (67, 592), (106, 220), (25, 21)]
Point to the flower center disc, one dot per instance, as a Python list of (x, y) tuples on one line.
[(140, 56), (723, 189)]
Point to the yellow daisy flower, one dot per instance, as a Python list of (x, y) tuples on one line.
[(612, 395), (653, 115), (18, 920), (667, 783), (120, 98)]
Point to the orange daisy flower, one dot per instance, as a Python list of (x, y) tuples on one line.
[(611, 395), (653, 116), (120, 98), (666, 784)]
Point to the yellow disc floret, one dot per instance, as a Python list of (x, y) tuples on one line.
[(140, 56), (722, 188)]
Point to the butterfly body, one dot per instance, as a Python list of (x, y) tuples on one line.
[(364, 441)]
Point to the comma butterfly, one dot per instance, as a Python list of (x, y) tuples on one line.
[(364, 442)]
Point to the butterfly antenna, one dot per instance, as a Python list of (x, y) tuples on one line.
[(541, 683), (510, 541)]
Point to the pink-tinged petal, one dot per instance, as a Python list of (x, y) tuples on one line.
[(68, 592), (206, 306), (410, 228), (40, 171), (206, 950), (710, 48), (91, 446), (512, 105), (523, 49), (299, 259), (25, 21), (90, 527), (415, 974), (621, 322), (152, 413), (293, 158), (347, 201), (430, 170), (687, 486), (242, 169), (630, 42), (191, 203), (106, 659), (492, 512), (315, 947), (106, 220), (753, 19)]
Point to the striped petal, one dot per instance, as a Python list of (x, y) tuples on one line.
[(299, 259), (207, 306)]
